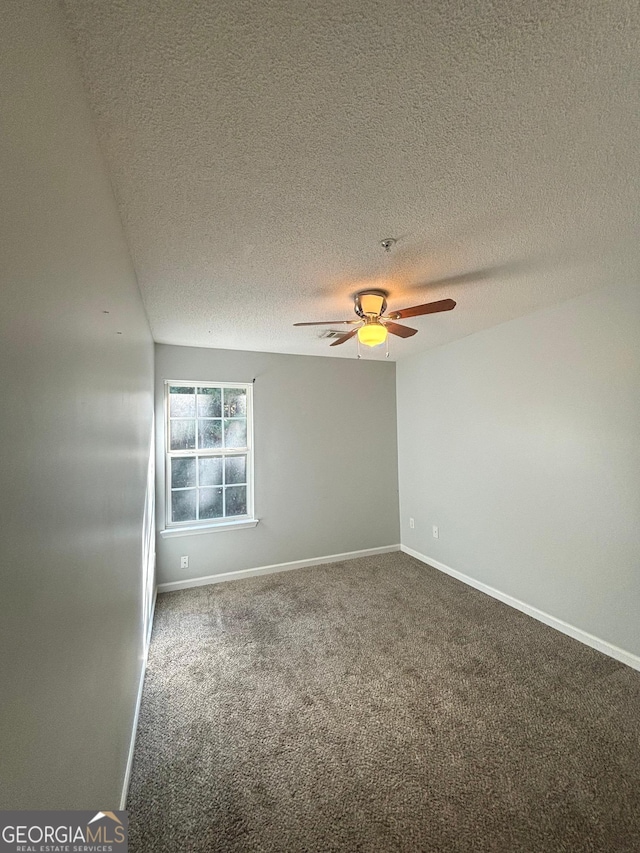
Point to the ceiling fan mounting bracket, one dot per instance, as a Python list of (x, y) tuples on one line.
[(368, 302)]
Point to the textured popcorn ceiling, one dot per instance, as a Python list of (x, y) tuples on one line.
[(260, 149)]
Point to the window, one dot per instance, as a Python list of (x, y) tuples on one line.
[(208, 443)]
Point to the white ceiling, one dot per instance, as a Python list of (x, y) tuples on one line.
[(261, 149)]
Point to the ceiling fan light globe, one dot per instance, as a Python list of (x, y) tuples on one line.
[(372, 334)]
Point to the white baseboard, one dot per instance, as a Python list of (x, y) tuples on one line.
[(134, 728), (578, 634), (277, 567)]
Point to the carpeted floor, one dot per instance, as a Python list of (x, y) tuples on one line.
[(378, 705)]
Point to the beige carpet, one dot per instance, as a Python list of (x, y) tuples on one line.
[(378, 705)]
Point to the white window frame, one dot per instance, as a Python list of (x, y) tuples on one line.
[(176, 528)]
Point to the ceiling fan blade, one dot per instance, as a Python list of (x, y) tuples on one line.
[(400, 331), (344, 338), (427, 308), (328, 323)]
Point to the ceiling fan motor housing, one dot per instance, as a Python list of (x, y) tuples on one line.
[(370, 303)]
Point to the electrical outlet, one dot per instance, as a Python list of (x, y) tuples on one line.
[(436, 532), (184, 562), (411, 523)]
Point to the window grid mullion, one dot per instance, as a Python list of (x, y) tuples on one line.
[(224, 488), (197, 461), (222, 396)]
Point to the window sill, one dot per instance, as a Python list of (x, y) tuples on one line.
[(170, 532)]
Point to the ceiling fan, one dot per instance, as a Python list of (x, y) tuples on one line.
[(374, 325)]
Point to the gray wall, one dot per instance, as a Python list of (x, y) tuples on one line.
[(75, 432), (325, 459), (521, 444)]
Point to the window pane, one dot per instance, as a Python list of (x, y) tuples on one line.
[(235, 469), (182, 402), (236, 500), (183, 505), (235, 403), (209, 433), (183, 435), (183, 473), (209, 402), (210, 503), (210, 472), (235, 433)]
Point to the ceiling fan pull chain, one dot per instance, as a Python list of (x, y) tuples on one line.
[(386, 355)]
